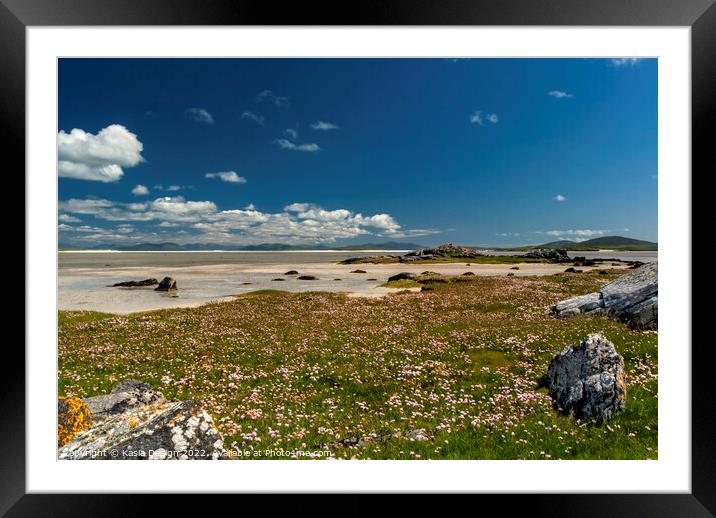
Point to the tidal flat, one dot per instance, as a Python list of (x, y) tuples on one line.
[(357, 377)]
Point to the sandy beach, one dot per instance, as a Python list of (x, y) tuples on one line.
[(88, 288)]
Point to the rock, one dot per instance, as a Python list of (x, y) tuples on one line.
[(587, 381), (167, 284), (556, 255), (135, 284), (135, 422), (444, 250), (632, 298), (359, 271), (291, 272), (510, 274), (583, 261), (429, 273), (371, 279), (515, 268), (572, 270), (125, 395), (337, 279), (307, 278), (246, 283), (467, 274), (278, 279), (73, 417), (402, 276)]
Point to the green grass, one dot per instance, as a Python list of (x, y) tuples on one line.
[(484, 259), (402, 283), (305, 370)]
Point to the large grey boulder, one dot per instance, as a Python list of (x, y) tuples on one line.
[(134, 422), (587, 381), (632, 298)]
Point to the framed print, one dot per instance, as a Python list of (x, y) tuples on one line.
[(411, 249)]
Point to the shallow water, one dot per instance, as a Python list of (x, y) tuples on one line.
[(84, 277)]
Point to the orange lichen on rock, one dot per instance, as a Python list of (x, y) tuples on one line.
[(73, 417)]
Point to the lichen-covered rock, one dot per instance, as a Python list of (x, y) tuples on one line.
[(73, 417), (163, 430), (136, 422), (125, 395), (167, 284), (632, 298), (587, 381)]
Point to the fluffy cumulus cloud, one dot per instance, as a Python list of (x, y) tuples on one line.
[(140, 190), (200, 115), (323, 125), (185, 221), (479, 118), (560, 197), (287, 144), (227, 176), (559, 94), (99, 157)]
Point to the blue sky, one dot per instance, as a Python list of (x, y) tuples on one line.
[(344, 151)]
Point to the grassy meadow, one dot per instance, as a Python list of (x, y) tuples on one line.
[(459, 361)]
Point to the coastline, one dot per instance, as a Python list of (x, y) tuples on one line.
[(87, 289)]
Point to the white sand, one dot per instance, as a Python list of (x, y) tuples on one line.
[(87, 288)]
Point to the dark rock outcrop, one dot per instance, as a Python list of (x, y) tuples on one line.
[(402, 276), (135, 284), (554, 255), (587, 381), (358, 271), (632, 298), (291, 272), (167, 284), (134, 422), (307, 278), (444, 250)]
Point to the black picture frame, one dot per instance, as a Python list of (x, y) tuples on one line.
[(700, 15)]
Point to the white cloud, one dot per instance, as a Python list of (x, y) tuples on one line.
[(185, 221), (269, 96), (577, 234), (251, 116), (178, 205), (227, 176), (558, 94), (292, 133), (508, 234), (200, 115), (140, 190), (66, 218), (286, 144), (478, 118), (99, 157), (559, 197), (322, 125), (620, 62), (250, 206)]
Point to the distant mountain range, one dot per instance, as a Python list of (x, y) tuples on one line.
[(175, 247), (599, 243)]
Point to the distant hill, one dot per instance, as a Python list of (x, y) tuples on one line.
[(267, 247), (599, 243), (390, 245)]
